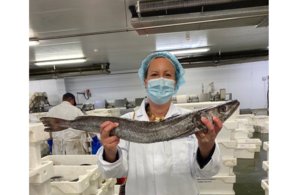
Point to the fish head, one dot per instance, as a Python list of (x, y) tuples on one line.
[(223, 111)]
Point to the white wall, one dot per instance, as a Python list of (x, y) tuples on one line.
[(244, 81), (54, 89)]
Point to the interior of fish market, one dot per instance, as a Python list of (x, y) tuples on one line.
[(91, 52)]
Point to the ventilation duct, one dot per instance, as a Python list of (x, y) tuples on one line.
[(203, 21), (41, 74)]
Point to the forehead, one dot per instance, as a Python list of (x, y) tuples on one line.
[(161, 64)]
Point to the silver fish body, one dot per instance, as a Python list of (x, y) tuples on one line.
[(145, 131)]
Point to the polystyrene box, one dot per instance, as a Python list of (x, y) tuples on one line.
[(104, 112), (248, 117), (257, 143), (40, 189), (227, 132), (245, 151), (241, 134), (84, 174), (36, 132), (265, 166), (244, 124), (227, 167), (265, 186), (217, 184), (266, 148), (227, 148)]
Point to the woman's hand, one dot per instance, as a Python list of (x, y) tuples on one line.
[(109, 143), (206, 141)]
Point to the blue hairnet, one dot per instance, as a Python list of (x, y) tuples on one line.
[(179, 71)]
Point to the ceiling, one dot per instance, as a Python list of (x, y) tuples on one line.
[(119, 44)]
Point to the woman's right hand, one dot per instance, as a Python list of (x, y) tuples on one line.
[(109, 143)]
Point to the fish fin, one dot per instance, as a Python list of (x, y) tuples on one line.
[(80, 117), (54, 124)]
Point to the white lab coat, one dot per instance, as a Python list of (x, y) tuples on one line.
[(68, 141), (163, 168)]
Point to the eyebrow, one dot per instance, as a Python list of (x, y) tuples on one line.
[(157, 71)]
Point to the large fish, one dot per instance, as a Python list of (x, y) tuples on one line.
[(145, 131)]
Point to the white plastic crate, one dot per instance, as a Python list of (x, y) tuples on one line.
[(40, 189), (227, 167), (266, 148), (265, 186), (35, 117), (265, 166), (260, 120), (244, 124), (71, 159), (257, 143), (36, 138), (248, 117), (104, 112), (227, 132), (84, 174), (108, 188), (241, 134), (245, 151), (42, 173), (217, 184), (227, 148)]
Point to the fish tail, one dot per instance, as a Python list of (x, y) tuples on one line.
[(55, 124)]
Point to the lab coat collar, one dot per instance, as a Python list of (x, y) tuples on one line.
[(142, 115), (65, 102)]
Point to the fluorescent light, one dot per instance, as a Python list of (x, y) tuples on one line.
[(189, 51), (31, 43), (56, 62)]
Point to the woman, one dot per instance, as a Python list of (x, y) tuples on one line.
[(169, 167)]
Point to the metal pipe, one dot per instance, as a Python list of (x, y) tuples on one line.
[(144, 28)]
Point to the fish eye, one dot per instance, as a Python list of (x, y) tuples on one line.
[(222, 109)]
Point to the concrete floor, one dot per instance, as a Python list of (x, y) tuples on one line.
[(249, 172)]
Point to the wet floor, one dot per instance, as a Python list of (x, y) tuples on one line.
[(249, 172)]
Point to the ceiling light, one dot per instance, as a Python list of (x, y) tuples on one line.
[(31, 43), (189, 51), (57, 62)]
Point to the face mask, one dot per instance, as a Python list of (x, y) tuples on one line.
[(160, 90)]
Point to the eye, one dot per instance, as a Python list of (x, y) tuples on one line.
[(223, 109)]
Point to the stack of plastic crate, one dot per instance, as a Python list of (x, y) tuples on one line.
[(81, 176), (246, 147), (261, 124), (39, 172), (104, 112), (223, 182), (265, 165)]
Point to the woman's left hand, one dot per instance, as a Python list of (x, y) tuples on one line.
[(206, 141)]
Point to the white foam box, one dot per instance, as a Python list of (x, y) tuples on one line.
[(71, 159), (227, 167), (42, 173), (257, 143), (266, 148), (245, 151), (40, 189), (104, 112), (227, 148), (108, 188), (227, 132), (242, 134), (86, 185), (265, 166), (260, 120), (265, 186), (217, 184)]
